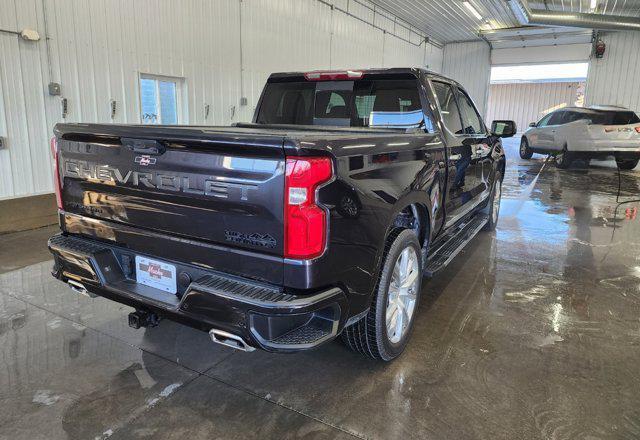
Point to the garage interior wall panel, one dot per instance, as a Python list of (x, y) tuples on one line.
[(279, 35), (355, 44), (400, 53), (433, 58), (221, 50), (614, 79), (529, 102), (470, 64)]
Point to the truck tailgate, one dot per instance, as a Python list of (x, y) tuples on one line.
[(222, 186)]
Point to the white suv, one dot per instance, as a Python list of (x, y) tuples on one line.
[(585, 133)]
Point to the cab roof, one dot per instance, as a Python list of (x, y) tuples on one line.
[(388, 71)]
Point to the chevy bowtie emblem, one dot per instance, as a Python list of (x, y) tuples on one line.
[(145, 160)]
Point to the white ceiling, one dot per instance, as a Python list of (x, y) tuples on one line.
[(448, 21)]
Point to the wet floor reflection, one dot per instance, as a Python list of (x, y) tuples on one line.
[(532, 332), (59, 379)]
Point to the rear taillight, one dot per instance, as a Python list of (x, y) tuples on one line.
[(637, 129), (56, 171), (333, 75), (305, 223)]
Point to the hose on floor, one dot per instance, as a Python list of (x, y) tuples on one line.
[(618, 205)]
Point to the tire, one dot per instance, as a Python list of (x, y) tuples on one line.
[(564, 159), (525, 151), (627, 164), (370, 336), (493, 209)]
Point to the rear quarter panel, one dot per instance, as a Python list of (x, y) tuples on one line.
[(376, 177)]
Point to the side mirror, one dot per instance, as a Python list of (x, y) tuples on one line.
[(503, 129), (533, 124)]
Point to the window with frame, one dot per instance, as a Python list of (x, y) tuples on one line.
[(383, 103), (557, 118), (160, 100), (544, 121), (614, 118), (470, 117), (573, 117), (448, 107)]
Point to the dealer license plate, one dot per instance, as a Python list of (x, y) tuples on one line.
[(157, 274)]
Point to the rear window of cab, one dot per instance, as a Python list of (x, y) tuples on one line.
[(383, 103)]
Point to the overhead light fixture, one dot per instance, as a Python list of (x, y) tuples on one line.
[(473, 10), (489, 25)]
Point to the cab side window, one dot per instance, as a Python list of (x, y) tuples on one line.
[(448, 107), (470, 117)]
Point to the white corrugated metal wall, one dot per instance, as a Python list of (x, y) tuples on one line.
[(525, 103), (470, 65), (97, 49), (614, 79)]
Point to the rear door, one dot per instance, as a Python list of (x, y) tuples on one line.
[(220, 188), (547, 134), (476, 132), (572, 128), (464, 133)]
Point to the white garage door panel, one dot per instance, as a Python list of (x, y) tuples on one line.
[(541, 54)]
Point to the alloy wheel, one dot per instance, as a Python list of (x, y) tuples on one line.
[(401, 300)]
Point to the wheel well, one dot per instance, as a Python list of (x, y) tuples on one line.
[(415, 217)]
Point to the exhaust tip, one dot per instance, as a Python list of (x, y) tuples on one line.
[(229, 340), (80, 288)]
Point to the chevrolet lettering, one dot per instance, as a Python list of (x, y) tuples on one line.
[(159, 180)]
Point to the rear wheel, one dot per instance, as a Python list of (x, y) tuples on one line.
[(525, 151), (627, 164), (564, 159), (383, 333)]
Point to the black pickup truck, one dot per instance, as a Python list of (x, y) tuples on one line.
[(318, 219)]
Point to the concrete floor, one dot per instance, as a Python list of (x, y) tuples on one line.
[(533, 332)]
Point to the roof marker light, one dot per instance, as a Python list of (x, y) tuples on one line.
[(333, 75)]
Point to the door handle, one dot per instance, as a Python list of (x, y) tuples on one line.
[(455, 157)]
